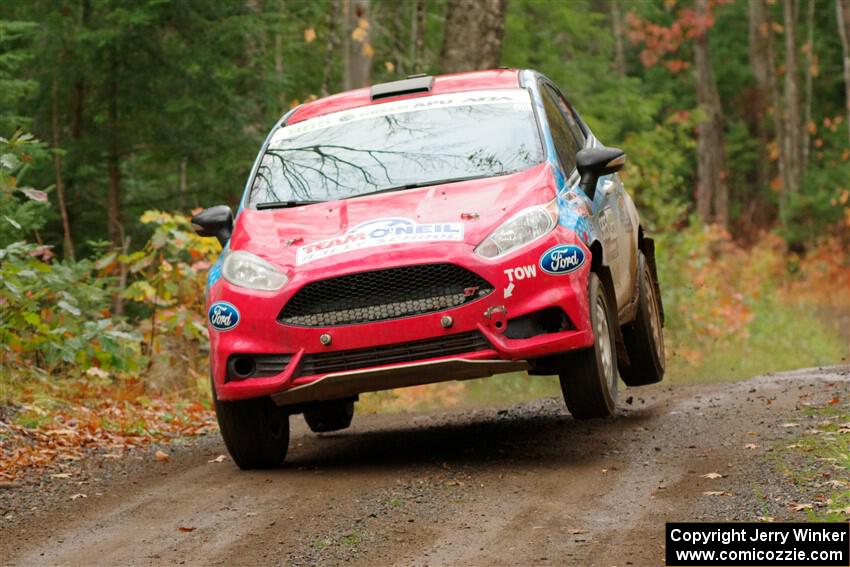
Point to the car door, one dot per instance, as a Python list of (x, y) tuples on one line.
[(608, 205)]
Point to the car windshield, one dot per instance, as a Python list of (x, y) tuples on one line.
[(395, 145)]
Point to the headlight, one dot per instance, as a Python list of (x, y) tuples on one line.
[(247, 270), (529, 224)]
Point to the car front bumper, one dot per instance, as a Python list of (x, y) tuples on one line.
[(423, 349)]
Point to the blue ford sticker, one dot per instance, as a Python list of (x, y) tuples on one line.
[(223, 316), (562, 259)]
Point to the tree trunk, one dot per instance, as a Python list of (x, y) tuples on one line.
[(763, 74), (761, 21), (419, 37), (357, 49), (278, 70), (810, 63), (67, 241), (842, 8), (617, 30), (330, 44), (183, 176), (793, 132), (114, 226), (473, 35), (711, 164)]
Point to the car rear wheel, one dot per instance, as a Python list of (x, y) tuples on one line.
[(589, 377), (327, 416), (643, 337), (256, 432)]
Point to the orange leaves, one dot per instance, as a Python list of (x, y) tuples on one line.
[(309, 35), (660, 40), (112, 419)]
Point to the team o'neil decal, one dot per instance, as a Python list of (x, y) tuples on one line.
[(562, 259), (223, 316), (377, 233)]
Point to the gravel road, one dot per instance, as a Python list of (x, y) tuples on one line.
[(496, 486)]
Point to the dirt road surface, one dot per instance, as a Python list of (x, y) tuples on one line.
[(496, 486)]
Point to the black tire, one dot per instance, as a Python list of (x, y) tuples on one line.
[(256, 431), (589, 377), (327, 416), (644, 337)]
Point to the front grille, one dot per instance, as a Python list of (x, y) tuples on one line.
[(339, 361), (383, 294)]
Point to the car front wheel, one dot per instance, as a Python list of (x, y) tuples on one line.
[(256, 431), (589, 377)]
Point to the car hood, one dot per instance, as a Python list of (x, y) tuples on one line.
[(464, 211)]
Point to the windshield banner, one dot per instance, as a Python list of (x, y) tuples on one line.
[(474, 98)]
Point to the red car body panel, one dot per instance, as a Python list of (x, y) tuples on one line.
[(482, 205)]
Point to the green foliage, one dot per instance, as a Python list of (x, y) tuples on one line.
[(15, 54), (22, 208), (54, 317), (660, 166)]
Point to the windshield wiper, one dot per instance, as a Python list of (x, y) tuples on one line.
[(424, 184), (284, 204)]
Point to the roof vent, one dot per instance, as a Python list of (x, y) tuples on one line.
[(411, 85)]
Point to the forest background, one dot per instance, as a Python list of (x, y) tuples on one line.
[(120, 118)]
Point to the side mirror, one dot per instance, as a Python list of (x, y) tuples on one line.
[(593, 163), (216, 221)]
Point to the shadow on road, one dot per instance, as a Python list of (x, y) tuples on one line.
[(542, 434)]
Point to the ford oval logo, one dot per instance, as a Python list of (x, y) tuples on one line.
[(223, 316), (562, 259)]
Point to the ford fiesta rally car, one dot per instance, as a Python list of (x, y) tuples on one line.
[(428, 229)]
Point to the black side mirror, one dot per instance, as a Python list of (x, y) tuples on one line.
[(593, 163), (216, 221)]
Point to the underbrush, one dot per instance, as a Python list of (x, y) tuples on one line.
[(734, 312)]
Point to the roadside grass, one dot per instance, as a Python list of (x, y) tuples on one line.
[(779, 337), (818, 460)]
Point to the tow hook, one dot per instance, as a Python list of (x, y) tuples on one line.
[(498, 317)]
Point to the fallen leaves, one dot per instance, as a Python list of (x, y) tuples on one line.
[(95, 421), (162, 456), (219, 459), (78, 495), (800, 507), (751, 446), (186, 530), (717, 493)]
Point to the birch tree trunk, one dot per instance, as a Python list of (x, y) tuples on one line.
[(473, 35), (711, 163)]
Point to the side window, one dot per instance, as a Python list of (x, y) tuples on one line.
[(566, 145), (569, 115)]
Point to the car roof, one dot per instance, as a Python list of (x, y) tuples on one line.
[(442, 84)]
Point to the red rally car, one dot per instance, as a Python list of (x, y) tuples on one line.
[(428, 229)]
